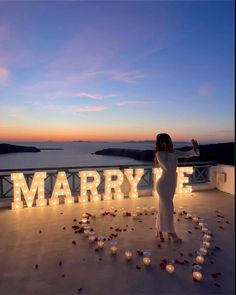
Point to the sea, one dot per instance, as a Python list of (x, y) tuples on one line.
[(73, 154)]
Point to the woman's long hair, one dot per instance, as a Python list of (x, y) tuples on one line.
[(163, 144)]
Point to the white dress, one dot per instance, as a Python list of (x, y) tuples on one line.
[(166, 187)]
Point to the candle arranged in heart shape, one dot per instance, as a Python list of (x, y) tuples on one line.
[(91, 236), (100, 242), (113, 247), (128, 254), (146, 258)]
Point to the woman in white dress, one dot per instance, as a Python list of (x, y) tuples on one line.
[(165, 157)]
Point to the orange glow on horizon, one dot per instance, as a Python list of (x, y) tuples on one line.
[(52, 134)]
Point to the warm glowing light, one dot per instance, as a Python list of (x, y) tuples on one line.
[(60, 189), (170, 268), (133, 180), (113, 184), (90, 186), (20, 185)]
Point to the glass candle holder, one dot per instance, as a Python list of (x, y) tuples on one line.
[(197, 275), (170, 268), (84, 215), (203, 249), (128, 254), (201, 222), (206, 238), (86, 229), (147, 258), (113, 247), (200, 257), (100, 242), (207, 244), (84, 221), (204, 229), (91, 236)]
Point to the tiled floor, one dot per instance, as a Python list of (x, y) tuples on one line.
[(22, 247)]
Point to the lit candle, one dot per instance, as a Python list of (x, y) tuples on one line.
[(86, 230), (135, 216), (206, 238), (113, 247), (195, 219), (170, 268), (84, 215), (203, 249), (200, 259), (207, 244), (91, 236), (146, 258), (84, 221), (197, 275), (201, 222), (128, 254), (100, 242)]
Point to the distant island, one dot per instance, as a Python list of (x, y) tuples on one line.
[(151, 141), (221, 153), (6, 148)]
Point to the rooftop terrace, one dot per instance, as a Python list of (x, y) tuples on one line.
[(84, 270)]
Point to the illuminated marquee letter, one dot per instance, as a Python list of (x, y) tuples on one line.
[(156, 175), (113, 184), (133, 181), (61, 188), (181, 180), (20, 185), (91, 186)]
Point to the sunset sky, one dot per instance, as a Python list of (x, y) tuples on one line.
[(116, 70)]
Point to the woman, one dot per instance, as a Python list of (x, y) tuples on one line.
[(165, 157)]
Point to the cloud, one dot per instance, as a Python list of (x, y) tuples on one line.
[(133, 102), (4, 76), (95, 96), (78, 109), (128, 76), (206, 89)]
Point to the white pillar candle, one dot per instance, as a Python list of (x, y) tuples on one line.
[(195, 219)]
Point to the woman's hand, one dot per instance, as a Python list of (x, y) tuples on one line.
[(195, 145)]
